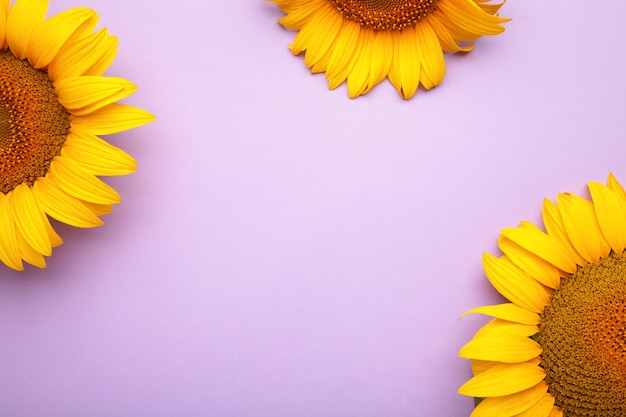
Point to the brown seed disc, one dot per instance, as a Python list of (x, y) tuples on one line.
[(583, 335), (385, 14), (33, 124)]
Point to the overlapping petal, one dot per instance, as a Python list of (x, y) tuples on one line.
[(9, 252), (503, 379), (96, 155), (51, 35), (512, 404), (538, 268), (86, 94), (5, 7), (542, 245), (553, 223), (542, 408), (497, 327), (509, 312), (63, 206), (112, 118), (606, 203), (516, 285), (90, 55), (22, 20), (582, 227), (501, 348)]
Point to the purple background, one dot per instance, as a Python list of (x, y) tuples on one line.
[(283, 251)]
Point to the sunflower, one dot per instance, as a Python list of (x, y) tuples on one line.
[(366, 41), (559, 347), (54, 102)]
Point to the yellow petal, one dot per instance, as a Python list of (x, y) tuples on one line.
[(28, 218), (68, 175), (28, 253), (448, 43), (318, 35), (610, 215), (501, 348), (96, 155), (554, 226), (406, 63), (542, 245), (9, 253), (290, 6), (524, 224), (487, 7), (508, 311), (470, 18), (618, 191), (512, 404), (542, 408), (83, 30), (533, 265), (322, 64), (341, 74), (616, 187), (556, 412), (380, 58), (5, 6), (456, 32), (345, 44), (90, 55), (98, 209), (430, 52), (503, 379), (480, 366), (86, 94), (514, 284), (499, 327), (23, 19), (62, 206), (358, 77), (48, 38), (112, 118), (582, 227), (296, 19), (55, 239), (425, 80)]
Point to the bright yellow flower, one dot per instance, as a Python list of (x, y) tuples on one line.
[(559, 347), (366, 41), (53, 102)]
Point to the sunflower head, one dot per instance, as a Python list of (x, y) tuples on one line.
[(559, 347), (364, 42), (54, 102)]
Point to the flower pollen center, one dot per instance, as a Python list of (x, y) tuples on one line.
[(33, 124), (385, 14), (583, 336)]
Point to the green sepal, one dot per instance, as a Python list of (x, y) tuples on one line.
[(478, 400)]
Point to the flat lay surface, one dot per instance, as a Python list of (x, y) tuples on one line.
[(284, 251)]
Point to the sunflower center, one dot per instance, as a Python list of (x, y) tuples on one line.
[(583, 335), (385, 14), (33, 125)]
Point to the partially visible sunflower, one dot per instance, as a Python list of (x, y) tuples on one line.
[(366, 41), (559, 347), (53, 102)]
